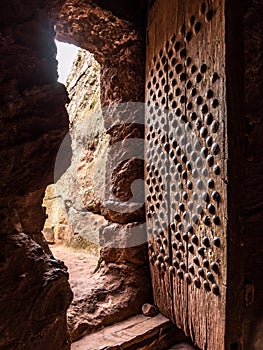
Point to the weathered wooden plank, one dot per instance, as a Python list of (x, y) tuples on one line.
[(157, 164), (176, 112), (206, 98), (186, 54)]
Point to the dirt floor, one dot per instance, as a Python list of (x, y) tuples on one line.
[(81, 266), (98, 297)]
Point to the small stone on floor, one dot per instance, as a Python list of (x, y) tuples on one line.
[(149, 310)]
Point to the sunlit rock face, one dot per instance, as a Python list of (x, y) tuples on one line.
[(118, 46), (95, 175), (74, 201), (89, 141)]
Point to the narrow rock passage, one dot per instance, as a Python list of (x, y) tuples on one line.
[(111, 294), (81, 266)]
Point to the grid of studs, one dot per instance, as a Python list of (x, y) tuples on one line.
[(192, 104), (202, 112), (176, 101), (157, 163)]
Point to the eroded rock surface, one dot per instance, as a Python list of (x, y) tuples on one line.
[(122, 280), (113, 293), (34, 316), (253, 186), (33, 122), (35, 293), (74, 201)]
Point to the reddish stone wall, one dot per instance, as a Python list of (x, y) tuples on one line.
[(118, 46), (33, 123), (34, 289), (253, 189)]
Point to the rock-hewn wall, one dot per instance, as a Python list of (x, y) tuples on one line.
[(118, 46), (74, 202), (34, 291), (33, 121), (56, 228), (253, 216)]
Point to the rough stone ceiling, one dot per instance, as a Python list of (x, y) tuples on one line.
[(132, 10), (95, 29)]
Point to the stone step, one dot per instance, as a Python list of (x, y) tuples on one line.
[(136, 333)]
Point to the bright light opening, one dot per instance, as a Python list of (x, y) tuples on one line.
[(66, 54)]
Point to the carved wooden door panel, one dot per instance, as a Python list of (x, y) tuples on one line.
[(186, 152)]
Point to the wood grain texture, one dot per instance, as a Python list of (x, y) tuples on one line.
[(186, 130), (206, 311), (157, 169)]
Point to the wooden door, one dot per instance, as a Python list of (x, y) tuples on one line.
[(186, 153)]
